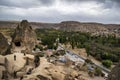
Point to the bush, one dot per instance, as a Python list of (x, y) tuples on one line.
[(98, 71), (60, 52), (88, 61), (107, 63), (39, 47), (91, 73)]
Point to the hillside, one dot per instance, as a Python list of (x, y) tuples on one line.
[(94, 28), (27, 61)]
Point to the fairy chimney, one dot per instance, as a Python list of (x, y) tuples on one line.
[(24, 36)]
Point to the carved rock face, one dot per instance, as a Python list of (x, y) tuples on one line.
[(115, 73), (24, 36), (3, 44)]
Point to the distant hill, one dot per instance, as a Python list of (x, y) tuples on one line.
[(94, 28)]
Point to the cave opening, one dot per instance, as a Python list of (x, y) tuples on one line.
[(18, 44)]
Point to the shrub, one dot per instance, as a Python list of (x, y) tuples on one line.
[(91, 73), (88, 61), (107, 63), (39, 46), (98, 71)]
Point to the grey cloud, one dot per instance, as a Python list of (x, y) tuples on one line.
[(48, 2), (54, 15), (69, 1), (107, 3), (110, 3), (26, 3), (117, 2), (102, 1)]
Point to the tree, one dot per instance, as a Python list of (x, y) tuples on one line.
[(98, 71), (107, 63), (110, 56), (103, 47)]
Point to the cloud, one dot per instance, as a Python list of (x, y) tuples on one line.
[(26, 3), (105, 11)]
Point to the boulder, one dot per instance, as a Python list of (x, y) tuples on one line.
[(4, 46), (24, 36)]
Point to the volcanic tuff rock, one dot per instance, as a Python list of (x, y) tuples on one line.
[(115, 73), (84, 27), (94, 28), (4, 46), (24, 36)]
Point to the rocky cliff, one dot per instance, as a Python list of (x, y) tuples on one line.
[(24, 36), (94, 28), (115, 73), (4, 46)]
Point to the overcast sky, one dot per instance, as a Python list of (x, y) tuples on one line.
[(102, 11)]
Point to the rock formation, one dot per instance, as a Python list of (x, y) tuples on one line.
[(94, 28), (115, 73), (24, 36), (4, 46)]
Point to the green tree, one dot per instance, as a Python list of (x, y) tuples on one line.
[(98, 71), (107, 63)]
